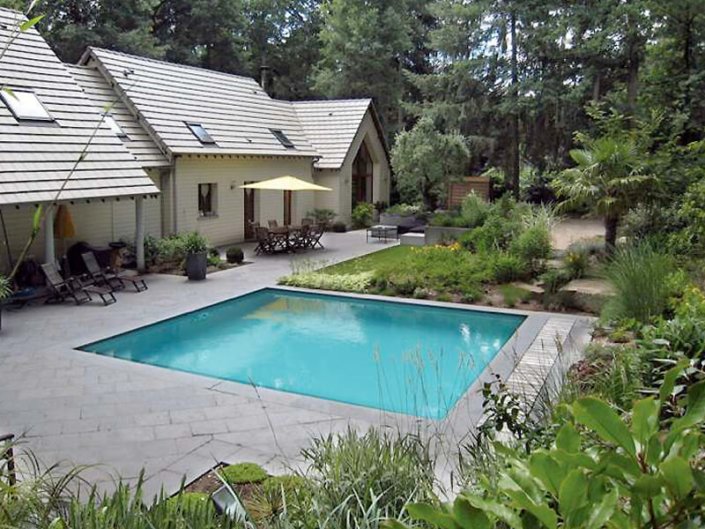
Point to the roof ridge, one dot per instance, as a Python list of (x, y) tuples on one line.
[(171, 63), (333, 100)]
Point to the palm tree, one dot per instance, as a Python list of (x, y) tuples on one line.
[(609, 177)]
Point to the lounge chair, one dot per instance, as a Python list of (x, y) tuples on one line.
[(72, 288), (110, 278)]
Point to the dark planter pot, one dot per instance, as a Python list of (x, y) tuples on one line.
[(196, 265)]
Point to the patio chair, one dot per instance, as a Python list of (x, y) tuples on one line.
[(315, 234), (307, 222), (272, 224), (110, 277), (72, 288), (266, 243)]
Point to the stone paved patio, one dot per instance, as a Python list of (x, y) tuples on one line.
[(84, 408)]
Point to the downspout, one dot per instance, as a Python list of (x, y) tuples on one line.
[(174, 196)]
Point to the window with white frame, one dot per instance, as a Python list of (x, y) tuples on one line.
[(207, 200)]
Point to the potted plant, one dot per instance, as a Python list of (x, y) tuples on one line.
[(5, 292), (196, 250)]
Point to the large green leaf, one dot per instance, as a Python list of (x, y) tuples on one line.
[(645, 420), (604, 421), (603, 511), (678, 476), (573, 492), (547, 470), (495, 508), (541, 512), (28, 24), (428, 513), (392, 524), (568, 439), (695, 413), (469, 517), (669, 380)]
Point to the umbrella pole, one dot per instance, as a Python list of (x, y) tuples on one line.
[(7, 241)]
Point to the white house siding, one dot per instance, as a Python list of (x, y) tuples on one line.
[(97, 223), (341, 180), (229, 173)]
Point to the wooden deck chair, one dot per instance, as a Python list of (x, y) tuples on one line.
[(72, 288), (109, 277)]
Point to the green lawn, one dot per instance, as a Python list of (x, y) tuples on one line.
[(370, 262)]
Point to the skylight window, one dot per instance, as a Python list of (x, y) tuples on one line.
[(117, 129), (25, 105), (201, 133), (286, 142)]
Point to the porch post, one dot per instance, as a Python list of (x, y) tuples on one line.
[(139, 233), (49, 250)]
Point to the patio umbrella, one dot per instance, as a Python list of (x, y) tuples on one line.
[(286, 183)]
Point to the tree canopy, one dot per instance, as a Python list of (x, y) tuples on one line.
[(512, 77)]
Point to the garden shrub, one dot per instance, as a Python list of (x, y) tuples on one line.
[(404, 210), (576, 261), (339, 227), (194, 242), (287, 497), (360, 282), (474, 210), (533, 246), (513, 294), (507, 267), (244, 473), (370, 476), (640, 277), (213, 257), (361, 215), (234, 255), (322, 216)]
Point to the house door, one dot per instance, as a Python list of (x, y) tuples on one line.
[(287, 208), (249, 213)]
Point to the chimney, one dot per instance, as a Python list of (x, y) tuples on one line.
[(264, 76)]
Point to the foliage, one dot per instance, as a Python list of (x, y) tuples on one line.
[(372, 472), (360, 282), (613, 373), (576, 261), (533, 246), (425, 161), (244, 473), (474, 210), (507, 267), (288, 498), (403, 210), (194, 242), (235, 255), (640, 277), (610, 175), (5, 287), (48, 498), (339, 227), (322, 216), (513, 294), (601, 470), (361, 215)]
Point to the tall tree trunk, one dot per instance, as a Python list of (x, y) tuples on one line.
[(611, 224), (514, 168)]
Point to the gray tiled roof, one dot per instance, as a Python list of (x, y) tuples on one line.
[(331, 126), (235, 110), (35, 158), (101, 94)]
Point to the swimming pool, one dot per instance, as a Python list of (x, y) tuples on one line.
[(407, 358)]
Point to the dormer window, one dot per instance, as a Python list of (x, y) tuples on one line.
[(201, 133), (25, 105), (286, 142), (117, 129)]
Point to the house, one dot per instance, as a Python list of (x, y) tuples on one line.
[(218, 131), (45, 124), (188, 136)]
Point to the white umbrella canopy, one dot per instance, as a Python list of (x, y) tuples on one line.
[(286, 183)]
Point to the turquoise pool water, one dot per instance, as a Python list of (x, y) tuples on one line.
[(412, 359)]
